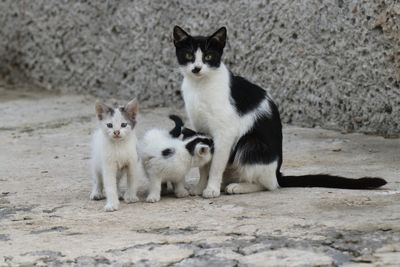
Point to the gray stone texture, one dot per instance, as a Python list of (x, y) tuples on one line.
[(328, 63)]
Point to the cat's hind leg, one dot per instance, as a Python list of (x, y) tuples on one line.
[(243, 188), (179, 188), (253, 178), (155, 189), (97, 186), (202, 183), (267, 177), (245, 185)]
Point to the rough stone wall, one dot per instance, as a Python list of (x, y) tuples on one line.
[(328, 63)]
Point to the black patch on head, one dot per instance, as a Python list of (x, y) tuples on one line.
[(168, 152), (187, 133), (190, 146), (263, 143), (211, 45), (246, 96), (177, 130)]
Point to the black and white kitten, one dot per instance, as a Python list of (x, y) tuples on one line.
[(167, 158), (243, 121)]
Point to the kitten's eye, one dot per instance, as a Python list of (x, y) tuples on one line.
[(124, 124), (109, 125), (189, 56), (208, 57)]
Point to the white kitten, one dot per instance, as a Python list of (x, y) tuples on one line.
[(166, 158), (114, 154)]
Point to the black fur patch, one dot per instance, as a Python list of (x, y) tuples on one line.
[(168, 152), (188, 133), (330, 181), (246, 96), (177, 130), (190, 146), (262, 144)]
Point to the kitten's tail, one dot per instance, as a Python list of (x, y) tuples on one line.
[(330, 181), (177, 130)]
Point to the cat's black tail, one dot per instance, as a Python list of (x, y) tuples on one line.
[(177, 130), (330, 181)]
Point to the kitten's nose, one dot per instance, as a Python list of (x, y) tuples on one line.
[(116, 132), (196, 70)]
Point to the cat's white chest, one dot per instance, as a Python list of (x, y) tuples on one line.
[(122, 153), (207, 102)]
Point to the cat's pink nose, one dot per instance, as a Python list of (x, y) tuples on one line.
[(116, 132)]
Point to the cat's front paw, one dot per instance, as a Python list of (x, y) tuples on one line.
[(196, 191), (130, 197), (95, 195), (182, 193), (211, 192), (111, 207), (153, 198), (121, 195)]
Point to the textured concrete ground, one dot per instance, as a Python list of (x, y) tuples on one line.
[(46, 217), (331, 63)]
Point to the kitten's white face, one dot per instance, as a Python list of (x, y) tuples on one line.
[(118, 123), (115, 126)]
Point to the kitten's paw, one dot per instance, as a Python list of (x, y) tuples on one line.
[(182, 193), (153, 198), (130, 197), (196, 191), (210, 192), (111, 207), (96, 196), (233, 188)]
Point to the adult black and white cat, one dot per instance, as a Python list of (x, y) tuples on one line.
[(243, 121)]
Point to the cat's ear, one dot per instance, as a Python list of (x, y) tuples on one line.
[(219, 37), (132, 109), (202, 150), (187, 133), (102, 109), (179, 35)]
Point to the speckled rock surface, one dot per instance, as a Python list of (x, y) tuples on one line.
[(330, 63)]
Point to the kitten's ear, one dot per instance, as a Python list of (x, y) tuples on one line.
[(202, 150), (219, 37), (187, 133), (102, 109), (132, 109), (179, 35)]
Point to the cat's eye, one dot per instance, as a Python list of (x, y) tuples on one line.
[(124, 124), (109, 125), (208, 57), (189, 56)]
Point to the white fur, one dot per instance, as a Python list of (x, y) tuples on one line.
[(208, 104), (111, 159), (173, 168)]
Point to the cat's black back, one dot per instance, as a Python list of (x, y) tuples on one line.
[(262, 144)]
